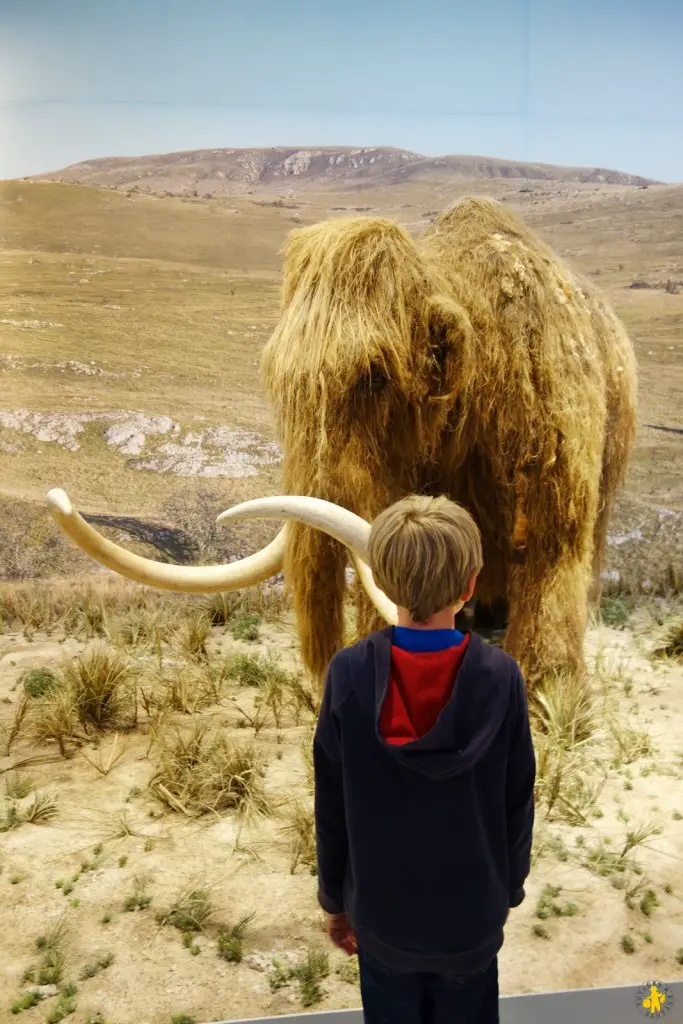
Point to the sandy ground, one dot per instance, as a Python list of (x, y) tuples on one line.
[(153, 976)]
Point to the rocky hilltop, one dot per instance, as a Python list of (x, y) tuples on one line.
[(208, 172)]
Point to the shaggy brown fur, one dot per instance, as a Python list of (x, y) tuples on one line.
[(473, 364)]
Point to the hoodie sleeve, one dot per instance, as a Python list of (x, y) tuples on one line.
[(330, 817), (521, 778)]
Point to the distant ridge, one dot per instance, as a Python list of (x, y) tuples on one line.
[(209, 172)]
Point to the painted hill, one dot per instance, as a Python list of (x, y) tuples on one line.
[(208, 172)]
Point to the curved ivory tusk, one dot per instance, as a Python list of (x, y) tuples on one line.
[(202, 579), (384, 607), (346, 527)]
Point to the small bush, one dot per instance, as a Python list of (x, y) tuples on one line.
[(139, 899), (627, 944), (247, 669), (26, 1002), (246, 626), (64, 1007), (348, 971), (615, 611), (648, 902), (183, 1018), (38, 682), (548, 906), (310, 973)]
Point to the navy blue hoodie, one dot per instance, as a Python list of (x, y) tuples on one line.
[(425, 845)]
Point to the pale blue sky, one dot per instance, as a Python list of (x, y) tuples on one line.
[(591, 82)]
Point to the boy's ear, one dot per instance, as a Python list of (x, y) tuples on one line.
[(471, 586)]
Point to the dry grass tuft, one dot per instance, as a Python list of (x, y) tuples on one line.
[(146, 628), (104, 765), (628, 744), (306, 749), (669, 643), (562, 709), (187, 688), (203, 773), (101, 683), (192, 911), (230, 943), (310, 974), (566, 785), (139, 899), (95, 691), (300, 833), (13, 731), (563, 722), (54, 948), (193, 635), (53, 719), (43, 808), (247, 669)]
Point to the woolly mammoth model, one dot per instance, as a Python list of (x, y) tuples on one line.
[(470, 362)]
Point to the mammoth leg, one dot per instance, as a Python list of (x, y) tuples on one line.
[(548, 615)]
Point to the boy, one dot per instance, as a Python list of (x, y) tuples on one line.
[(424, 783)]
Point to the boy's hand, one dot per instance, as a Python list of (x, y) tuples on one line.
[(340, 931)]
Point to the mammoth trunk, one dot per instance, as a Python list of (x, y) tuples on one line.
[(315, 564), (315, 572)]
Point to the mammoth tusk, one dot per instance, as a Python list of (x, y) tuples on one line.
[(207, 579), (346, 527), (383, 606)]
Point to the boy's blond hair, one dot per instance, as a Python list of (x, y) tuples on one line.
[(423, 552)]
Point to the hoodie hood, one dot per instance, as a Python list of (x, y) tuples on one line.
[(469, 721)]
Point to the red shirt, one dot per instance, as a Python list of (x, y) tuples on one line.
[(420, 686)]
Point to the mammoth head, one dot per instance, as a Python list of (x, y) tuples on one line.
[(365, 352)]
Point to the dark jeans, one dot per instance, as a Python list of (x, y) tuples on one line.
[(392, 997)]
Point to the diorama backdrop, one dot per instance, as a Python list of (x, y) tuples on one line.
[(157, 861)]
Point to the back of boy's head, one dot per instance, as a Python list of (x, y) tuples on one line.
[(423, 552)]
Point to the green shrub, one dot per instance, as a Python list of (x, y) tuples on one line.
[(38, 682)]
